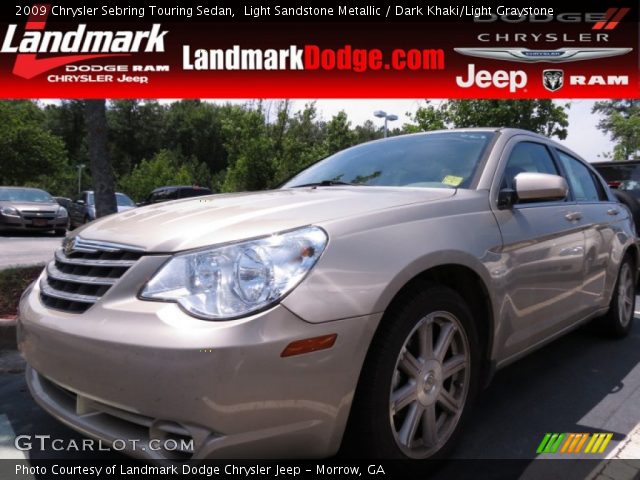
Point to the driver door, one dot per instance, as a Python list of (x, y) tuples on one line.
[(542, 254)]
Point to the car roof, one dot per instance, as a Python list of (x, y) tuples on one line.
[(91, 191), (616, 163)]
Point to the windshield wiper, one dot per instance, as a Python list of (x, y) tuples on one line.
[(326, 183)]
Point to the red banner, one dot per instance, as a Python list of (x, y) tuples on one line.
[(310, 52)]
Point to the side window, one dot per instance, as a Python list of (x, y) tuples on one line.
[(582, 181), (527, 157), (171, 194)]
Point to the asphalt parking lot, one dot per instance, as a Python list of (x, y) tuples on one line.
[(27, 248), (580, 383)]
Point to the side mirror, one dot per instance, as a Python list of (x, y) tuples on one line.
[(534, 187)]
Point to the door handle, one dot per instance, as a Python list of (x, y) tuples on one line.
[(573, 216), (613, 211)]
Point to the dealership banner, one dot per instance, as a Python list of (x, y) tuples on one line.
[(393, 49)]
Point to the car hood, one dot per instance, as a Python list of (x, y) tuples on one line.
[(215, 219), (31, 206)]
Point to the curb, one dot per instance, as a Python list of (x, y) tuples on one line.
[(8, 334)]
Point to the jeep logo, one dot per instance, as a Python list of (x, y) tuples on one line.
[(513, 79)]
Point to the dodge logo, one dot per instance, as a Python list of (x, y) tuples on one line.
[(553, 80)]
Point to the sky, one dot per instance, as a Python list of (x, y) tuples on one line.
[(583, 136)]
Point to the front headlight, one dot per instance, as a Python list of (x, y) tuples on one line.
[(62, 212), (232, 281), (10, 212)]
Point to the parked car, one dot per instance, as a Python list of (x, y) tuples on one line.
[(64, 202), (83, 208), (365, 303), (30, 209), (174, 192), (624, 179)]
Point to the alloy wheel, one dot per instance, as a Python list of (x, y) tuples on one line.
[(625, 295), (430, 385)]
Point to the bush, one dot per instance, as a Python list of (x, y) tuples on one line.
[(13, 281)]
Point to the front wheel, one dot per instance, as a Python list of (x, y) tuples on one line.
[(419, 380)]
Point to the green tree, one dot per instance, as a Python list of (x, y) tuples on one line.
[(366, 132), (249, 149), (194, 129), (67, 121), (135, 132), (163, 169), (303, 143), (427, 118), (541, 116), (29, 153), (338, 134), (621, 120)]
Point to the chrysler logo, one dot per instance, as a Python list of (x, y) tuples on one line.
[(553, 80), (69, 245), (551, 56)]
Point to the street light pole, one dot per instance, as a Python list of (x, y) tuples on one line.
[(80, 167), (388, 117)]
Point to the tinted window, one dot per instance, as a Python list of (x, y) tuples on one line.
[(528, 157), (581, 179), (121, 200), (443, 160)]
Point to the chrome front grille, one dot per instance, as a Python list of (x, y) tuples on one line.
[(31, 214), (82, 271)]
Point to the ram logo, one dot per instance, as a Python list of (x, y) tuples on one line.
[(553, 80)]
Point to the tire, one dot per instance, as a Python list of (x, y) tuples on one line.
[(632, 204), (404, 380), (61, 232), (617, 322)]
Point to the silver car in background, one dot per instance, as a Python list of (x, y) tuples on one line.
[(364, 304), (31, 209)]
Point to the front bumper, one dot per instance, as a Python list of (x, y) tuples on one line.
[(11, 223), (145, 370)]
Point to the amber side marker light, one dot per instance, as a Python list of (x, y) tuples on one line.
[(309, 345)]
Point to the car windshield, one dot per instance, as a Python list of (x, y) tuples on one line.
[(441, 160), (121, 199), (25, 195)]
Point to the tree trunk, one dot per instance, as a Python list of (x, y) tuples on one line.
[(101, 172)]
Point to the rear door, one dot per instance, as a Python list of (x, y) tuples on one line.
[(600, 216), (542, 256)]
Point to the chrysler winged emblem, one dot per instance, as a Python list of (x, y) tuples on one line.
[(553, 80), (552, 56), (69, 245)]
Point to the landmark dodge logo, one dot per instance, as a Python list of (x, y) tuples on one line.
[(95, 43), (552, 56)]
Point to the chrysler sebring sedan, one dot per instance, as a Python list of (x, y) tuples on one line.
[(363, 305)]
